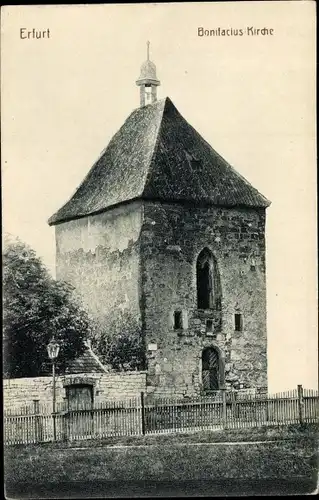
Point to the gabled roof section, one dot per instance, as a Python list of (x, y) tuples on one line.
[(157, 155), (88, 362), (185, 167), (119, 174)]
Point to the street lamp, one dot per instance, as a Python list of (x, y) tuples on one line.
[(53, 349)]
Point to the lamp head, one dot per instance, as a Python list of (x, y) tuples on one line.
[(53, 349)]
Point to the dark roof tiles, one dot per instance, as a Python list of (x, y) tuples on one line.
[(86, 363), (156, 154)]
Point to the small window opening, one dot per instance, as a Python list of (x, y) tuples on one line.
[(238, 322), (204, 285), (178, 320), (209, 325), (148, 94)]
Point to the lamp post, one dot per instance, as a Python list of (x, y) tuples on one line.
[(53, 349)]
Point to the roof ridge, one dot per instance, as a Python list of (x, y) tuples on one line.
[(149, 170), (95, 357)]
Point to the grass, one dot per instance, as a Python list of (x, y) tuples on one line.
[(295, 456), (295, 432), (170, 463)]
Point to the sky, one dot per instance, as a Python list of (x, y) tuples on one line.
[(251, 97)]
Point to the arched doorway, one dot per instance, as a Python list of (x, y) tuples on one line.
[(210, 369)]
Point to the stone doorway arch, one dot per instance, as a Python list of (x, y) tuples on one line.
[(212, 369)]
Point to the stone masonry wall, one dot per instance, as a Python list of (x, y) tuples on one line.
[(171, 239), (136, 264), (99, 255), (107, 386)]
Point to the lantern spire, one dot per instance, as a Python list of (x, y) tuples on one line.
[(148, 81)]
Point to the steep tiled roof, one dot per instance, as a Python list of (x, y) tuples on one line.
[(156, 154), (88, 362)]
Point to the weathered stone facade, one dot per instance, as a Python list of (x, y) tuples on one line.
[(99, 255), (135, 265), (172, 237)]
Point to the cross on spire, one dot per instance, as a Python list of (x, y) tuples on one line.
[(148, 50)]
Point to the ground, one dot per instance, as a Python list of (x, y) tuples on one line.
[(249, 462)]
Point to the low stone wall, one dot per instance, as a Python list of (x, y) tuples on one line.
[(107, 386), (121, 385)]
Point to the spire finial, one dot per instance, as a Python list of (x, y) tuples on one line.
[(148, 81), (148, 50)]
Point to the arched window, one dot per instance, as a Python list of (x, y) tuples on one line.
[(208, 281)]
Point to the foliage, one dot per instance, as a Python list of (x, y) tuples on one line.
[(122, 352), (36, 308)]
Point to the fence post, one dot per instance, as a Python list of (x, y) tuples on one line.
[(143, 413), (234, 406), (224, 410), (300, 404), (37, 424), (267, 407), (64, 416)]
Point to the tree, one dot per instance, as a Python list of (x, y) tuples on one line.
[(36, 308), (122, 352)]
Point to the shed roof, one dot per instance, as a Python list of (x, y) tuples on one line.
[(88, 362), (158, 155)]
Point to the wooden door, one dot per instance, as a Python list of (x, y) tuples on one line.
[(80, 416), (210, 370), (80, 397)]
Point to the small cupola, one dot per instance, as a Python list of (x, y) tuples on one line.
[(148, 81)]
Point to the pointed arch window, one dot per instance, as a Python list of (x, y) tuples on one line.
[(204, 284), (208, 285), (208, 281)]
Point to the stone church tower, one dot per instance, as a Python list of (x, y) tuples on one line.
[(164, 238)]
